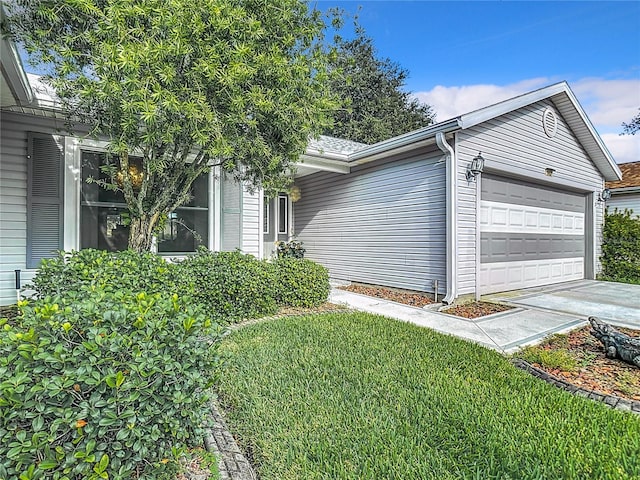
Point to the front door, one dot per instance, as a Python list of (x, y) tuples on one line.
[(276, 223)]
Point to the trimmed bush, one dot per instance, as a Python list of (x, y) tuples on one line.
[(230, 286), (126, 270), (103, 384), (301, 282), (621, 248)]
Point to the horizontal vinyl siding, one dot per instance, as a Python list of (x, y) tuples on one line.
[(13, 196), (515, 144), (251, 223), (381, 224), (624, 201)]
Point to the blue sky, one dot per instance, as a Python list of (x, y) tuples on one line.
[(465, 55)]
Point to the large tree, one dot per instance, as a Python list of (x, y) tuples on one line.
[(186, 84), (632, 127), (375, 104)]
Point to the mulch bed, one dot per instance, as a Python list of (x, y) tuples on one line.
[(476, 309), (408, 297), (594, 370)]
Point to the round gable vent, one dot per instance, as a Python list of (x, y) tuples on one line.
[(549, 122)]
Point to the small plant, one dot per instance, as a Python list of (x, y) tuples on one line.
[(101, 384), (290, 249), (301, 282), (558, 359)]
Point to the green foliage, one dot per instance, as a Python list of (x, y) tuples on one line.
[(557, 358), (88, 268), (375, 106), (101, 384), (238, 83), (633, 126), (230, 286), (621, 248), (290, 249), (406, 402), (301, 282)]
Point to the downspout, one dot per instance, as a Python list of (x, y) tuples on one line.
[(451, 217)]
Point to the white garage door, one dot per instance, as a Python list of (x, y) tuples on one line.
[(530, 235)]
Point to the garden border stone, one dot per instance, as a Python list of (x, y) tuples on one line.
[(612, 401), (232, 463)]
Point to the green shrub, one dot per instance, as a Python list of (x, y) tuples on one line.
[(301, 282), (290, 249), (230, 286), (103, 385), (126, 270), (621, 248)]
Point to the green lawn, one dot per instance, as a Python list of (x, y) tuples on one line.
[(353, 395)]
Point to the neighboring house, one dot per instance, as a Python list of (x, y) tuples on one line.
[(400, 213), (403, 213), (625, 193)]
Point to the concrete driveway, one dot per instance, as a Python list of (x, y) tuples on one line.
[(617, 303), (539, 312)]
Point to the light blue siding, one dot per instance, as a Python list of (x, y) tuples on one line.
[(382, 224), (13, 196), (629, 201)]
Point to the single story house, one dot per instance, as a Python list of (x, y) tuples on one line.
[(415, 210), (502, 198), (625, 193)]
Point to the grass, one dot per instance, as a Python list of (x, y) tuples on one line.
[(358, 396)]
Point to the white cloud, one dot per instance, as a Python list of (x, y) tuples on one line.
[(624, 148), (608, 104)]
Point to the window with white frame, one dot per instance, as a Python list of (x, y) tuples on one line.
[(104, 222), (283, 214)]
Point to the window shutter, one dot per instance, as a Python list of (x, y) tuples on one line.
[(44, 198)]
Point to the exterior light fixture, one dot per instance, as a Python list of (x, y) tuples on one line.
[(476, 167), (604, 195), (295, 193)]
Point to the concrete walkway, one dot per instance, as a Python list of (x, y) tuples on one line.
[(505, 331)]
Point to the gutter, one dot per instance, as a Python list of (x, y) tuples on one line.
[(451, 218), (400, 143), (622, 190)]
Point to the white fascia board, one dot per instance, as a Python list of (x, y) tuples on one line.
[(601, 155), (14, 72), (407, 141), (324, 164), (481, 115)]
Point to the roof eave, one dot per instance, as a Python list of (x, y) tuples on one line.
[(12, 69)]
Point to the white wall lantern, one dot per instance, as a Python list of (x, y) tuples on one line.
[(295, 193)]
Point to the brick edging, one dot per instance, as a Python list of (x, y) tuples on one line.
[(612, 401), (232, 463)]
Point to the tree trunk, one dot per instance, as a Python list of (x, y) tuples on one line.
[(141, 233)]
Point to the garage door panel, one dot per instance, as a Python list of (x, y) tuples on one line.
[(519, 192), (530, 235), (497, 217), (515, 247), (500, 277)]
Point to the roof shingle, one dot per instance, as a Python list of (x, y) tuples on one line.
[(630, 176)]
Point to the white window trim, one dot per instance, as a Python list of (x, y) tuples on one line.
[(286, 214), (266, 215), (73, 148)]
